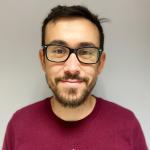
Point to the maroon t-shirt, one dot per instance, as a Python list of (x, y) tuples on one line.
[(108, 127)]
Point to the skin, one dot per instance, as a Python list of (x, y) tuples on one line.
[(74, 32)]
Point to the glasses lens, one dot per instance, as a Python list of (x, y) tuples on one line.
[(57, 53), (88, 55)]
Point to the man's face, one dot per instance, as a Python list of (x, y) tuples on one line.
[(71, 81)]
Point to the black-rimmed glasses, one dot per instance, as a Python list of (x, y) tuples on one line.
[(60, 53)]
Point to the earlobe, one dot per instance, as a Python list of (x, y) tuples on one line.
[(102, 62), (42, 59)]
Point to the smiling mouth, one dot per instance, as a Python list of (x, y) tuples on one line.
[(71, 81)]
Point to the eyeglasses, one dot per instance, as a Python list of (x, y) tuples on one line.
[(60, 53)]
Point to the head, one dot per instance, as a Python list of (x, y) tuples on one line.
[(74, 28), (73, 12)]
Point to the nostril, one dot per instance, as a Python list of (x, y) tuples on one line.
[(72, 72)]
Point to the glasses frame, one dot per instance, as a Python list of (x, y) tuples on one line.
[(72, 50)]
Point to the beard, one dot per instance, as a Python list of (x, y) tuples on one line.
[(71, 97)]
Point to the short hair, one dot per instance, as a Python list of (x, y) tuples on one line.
[(73, 11)]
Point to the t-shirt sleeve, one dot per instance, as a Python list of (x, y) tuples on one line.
[(9, 139), (139, 142)]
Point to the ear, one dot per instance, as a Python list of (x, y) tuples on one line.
[(42, 59), (101, 62)]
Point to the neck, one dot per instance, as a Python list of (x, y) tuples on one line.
[(73, 114)]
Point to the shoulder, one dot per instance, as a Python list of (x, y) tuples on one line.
[(116, 113), (117, 116), (112, 107), (123, 121), (31, 111)]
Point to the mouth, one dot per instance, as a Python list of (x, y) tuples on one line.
[(71, 83)]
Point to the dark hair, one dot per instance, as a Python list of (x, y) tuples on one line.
[(73, 11)]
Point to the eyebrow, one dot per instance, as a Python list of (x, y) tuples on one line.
[(86, 44), (57, 42), (63, 43)]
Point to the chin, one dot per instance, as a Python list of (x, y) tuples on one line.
[(71, 100)]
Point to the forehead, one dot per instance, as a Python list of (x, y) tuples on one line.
[(72, 30)]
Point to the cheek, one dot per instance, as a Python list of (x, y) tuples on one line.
[(91, 72), (50, 72)]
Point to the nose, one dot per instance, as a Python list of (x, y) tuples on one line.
[(72, 65)]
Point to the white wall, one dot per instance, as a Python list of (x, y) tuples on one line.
[(125, 79)]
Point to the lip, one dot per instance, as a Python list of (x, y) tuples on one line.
[(71, 81)]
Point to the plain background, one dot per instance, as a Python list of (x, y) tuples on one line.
[(125, 79)]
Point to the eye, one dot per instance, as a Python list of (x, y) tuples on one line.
[(85, 52), (59, 51)]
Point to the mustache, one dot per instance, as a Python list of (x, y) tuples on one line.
[(73, 77)]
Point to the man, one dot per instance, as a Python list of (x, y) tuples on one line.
[(72, 57)]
